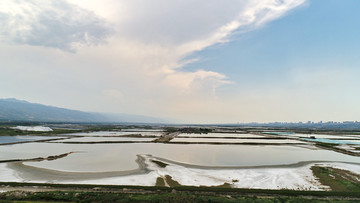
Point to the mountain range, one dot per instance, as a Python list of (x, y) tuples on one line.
[(20, 110)]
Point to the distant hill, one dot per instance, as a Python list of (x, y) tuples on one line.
[(19, 110)]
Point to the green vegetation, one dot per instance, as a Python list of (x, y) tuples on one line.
[(9, 201), (159, 163), (7, 131), (167, 181), (225, 185), (170, 130), (196, 130), (165, 138), (175, 196), (327, 145), (171, 182), (337, 179), (135, 135), (334, 147), (188, 130), (160, 182), (186, 189)]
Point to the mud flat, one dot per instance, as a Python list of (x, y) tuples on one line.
[(297, 176)]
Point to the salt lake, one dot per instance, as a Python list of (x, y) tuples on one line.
[(120, 157)]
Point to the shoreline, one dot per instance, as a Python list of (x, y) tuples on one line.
[(260, 177), (27, 172)]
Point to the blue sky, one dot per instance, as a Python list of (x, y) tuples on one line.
[(203, 61), (318, 34)]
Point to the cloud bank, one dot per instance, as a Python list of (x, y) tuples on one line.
[(52, 23), (128, 56)]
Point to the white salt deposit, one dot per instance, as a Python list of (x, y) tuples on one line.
[(294, 178), (33, 128), (297, 178), (8, 175)]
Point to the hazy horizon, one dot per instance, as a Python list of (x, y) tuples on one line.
[(196, 61)]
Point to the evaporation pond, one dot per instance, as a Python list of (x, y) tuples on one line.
[(119, 157), (234, 135), (331, 141), (323, 136), (219, 140), (116, 133), (107, 139), (142, 130), (23, 138)]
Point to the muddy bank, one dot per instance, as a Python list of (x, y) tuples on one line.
[(30, 173)]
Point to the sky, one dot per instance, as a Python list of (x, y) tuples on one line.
[(195, 61)]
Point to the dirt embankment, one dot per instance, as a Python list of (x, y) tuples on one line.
[(167, 137), (49, 158)]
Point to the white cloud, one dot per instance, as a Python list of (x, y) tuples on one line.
[(51, 23), (185, 80), (147, 43)]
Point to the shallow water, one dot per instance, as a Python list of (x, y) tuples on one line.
[(142, 130), (290, 134), (119, 157), (116, 133), (323, 140), (327, 136), (217, 140), (106, 139), (218, 135), (22, 138)]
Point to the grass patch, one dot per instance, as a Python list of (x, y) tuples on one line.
[(164, 138), (160, 182), (178, 197), (8, 201), (327, 145), (7, 131), (337, 179), (225, 185), (334, 147), (188, 130), (171, 182), (189, 189), (159, 163)]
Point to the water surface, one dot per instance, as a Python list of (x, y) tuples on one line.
[(119, 157), (323, 140), (116, 133), (219, 140), (23, 138), (106, 139), (235, 135)]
